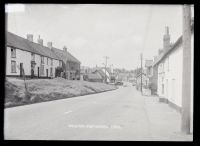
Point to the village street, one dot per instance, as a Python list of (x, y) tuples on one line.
[(122, 114)]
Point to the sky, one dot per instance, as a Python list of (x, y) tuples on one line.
[(92, 31)]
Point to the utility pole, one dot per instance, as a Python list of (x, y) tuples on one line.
[(141, 71), (186, 75), (106, 58)]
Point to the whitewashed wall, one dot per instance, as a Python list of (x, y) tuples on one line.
[(172, 89), (21, 57), (37, 61), (192, 82), (25, 58)]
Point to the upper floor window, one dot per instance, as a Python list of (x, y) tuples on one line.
[(32, 56), (13, 53), (13, 66), (42, 59)]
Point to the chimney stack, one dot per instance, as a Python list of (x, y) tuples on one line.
[(49, 45), (40, 41), (166, 39), (155, 58), (160, 51), (65, 49), (30, 37)]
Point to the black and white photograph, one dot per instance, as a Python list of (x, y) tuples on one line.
[(99, 72)]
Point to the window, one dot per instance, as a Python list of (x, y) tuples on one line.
[(51, 62), (32, 56), (42, 59), (13, 53), (42, 70), (162, 88), (163, 67), (13, 66), (47, 60)]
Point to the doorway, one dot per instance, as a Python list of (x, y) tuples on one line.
[(38, 72), (47, 72), (21, 69)]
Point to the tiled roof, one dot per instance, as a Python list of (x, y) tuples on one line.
[(65, 56), (100, 71), (166, 52), (24, 44), (94, 76)]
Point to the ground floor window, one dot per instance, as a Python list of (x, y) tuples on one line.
[(162, 88), (42, 70), (13, 66)]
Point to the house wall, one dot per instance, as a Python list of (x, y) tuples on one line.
[(21, 57), (154, 79), (192, 83), (25, 58), (171, 77)]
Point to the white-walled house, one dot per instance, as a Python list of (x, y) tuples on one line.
[(35, 58), (170, 68)]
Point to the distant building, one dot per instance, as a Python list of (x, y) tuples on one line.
[(93, 77), (145, 81)]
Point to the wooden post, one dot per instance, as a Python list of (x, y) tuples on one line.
[(186, 75), (141, 72)]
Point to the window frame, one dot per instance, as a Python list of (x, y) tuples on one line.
[(14, 49), (32, 56), (42, 59), (12, 61), (51, 62), (42, 70)]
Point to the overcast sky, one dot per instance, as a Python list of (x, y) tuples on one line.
[(91, 32)]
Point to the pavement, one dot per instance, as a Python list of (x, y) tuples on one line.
[(120, 115)]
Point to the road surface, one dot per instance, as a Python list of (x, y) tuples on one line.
[(114, 115)]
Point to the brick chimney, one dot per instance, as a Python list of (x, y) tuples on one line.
[(160, 51), (40, 41), (29, 37), (65, 49), (49, 45), (166, 39), (155, 58)]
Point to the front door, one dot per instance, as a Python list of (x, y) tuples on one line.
[(47, 72), (21, 69), (38, 72)]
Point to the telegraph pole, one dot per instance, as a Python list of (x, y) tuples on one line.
[(141, 71), (106, 58), (186, 75)]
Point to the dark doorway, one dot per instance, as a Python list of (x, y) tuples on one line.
[(21, 69), (38, 72), (47, 72)]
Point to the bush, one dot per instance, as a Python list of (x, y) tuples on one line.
[(58, 71)]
